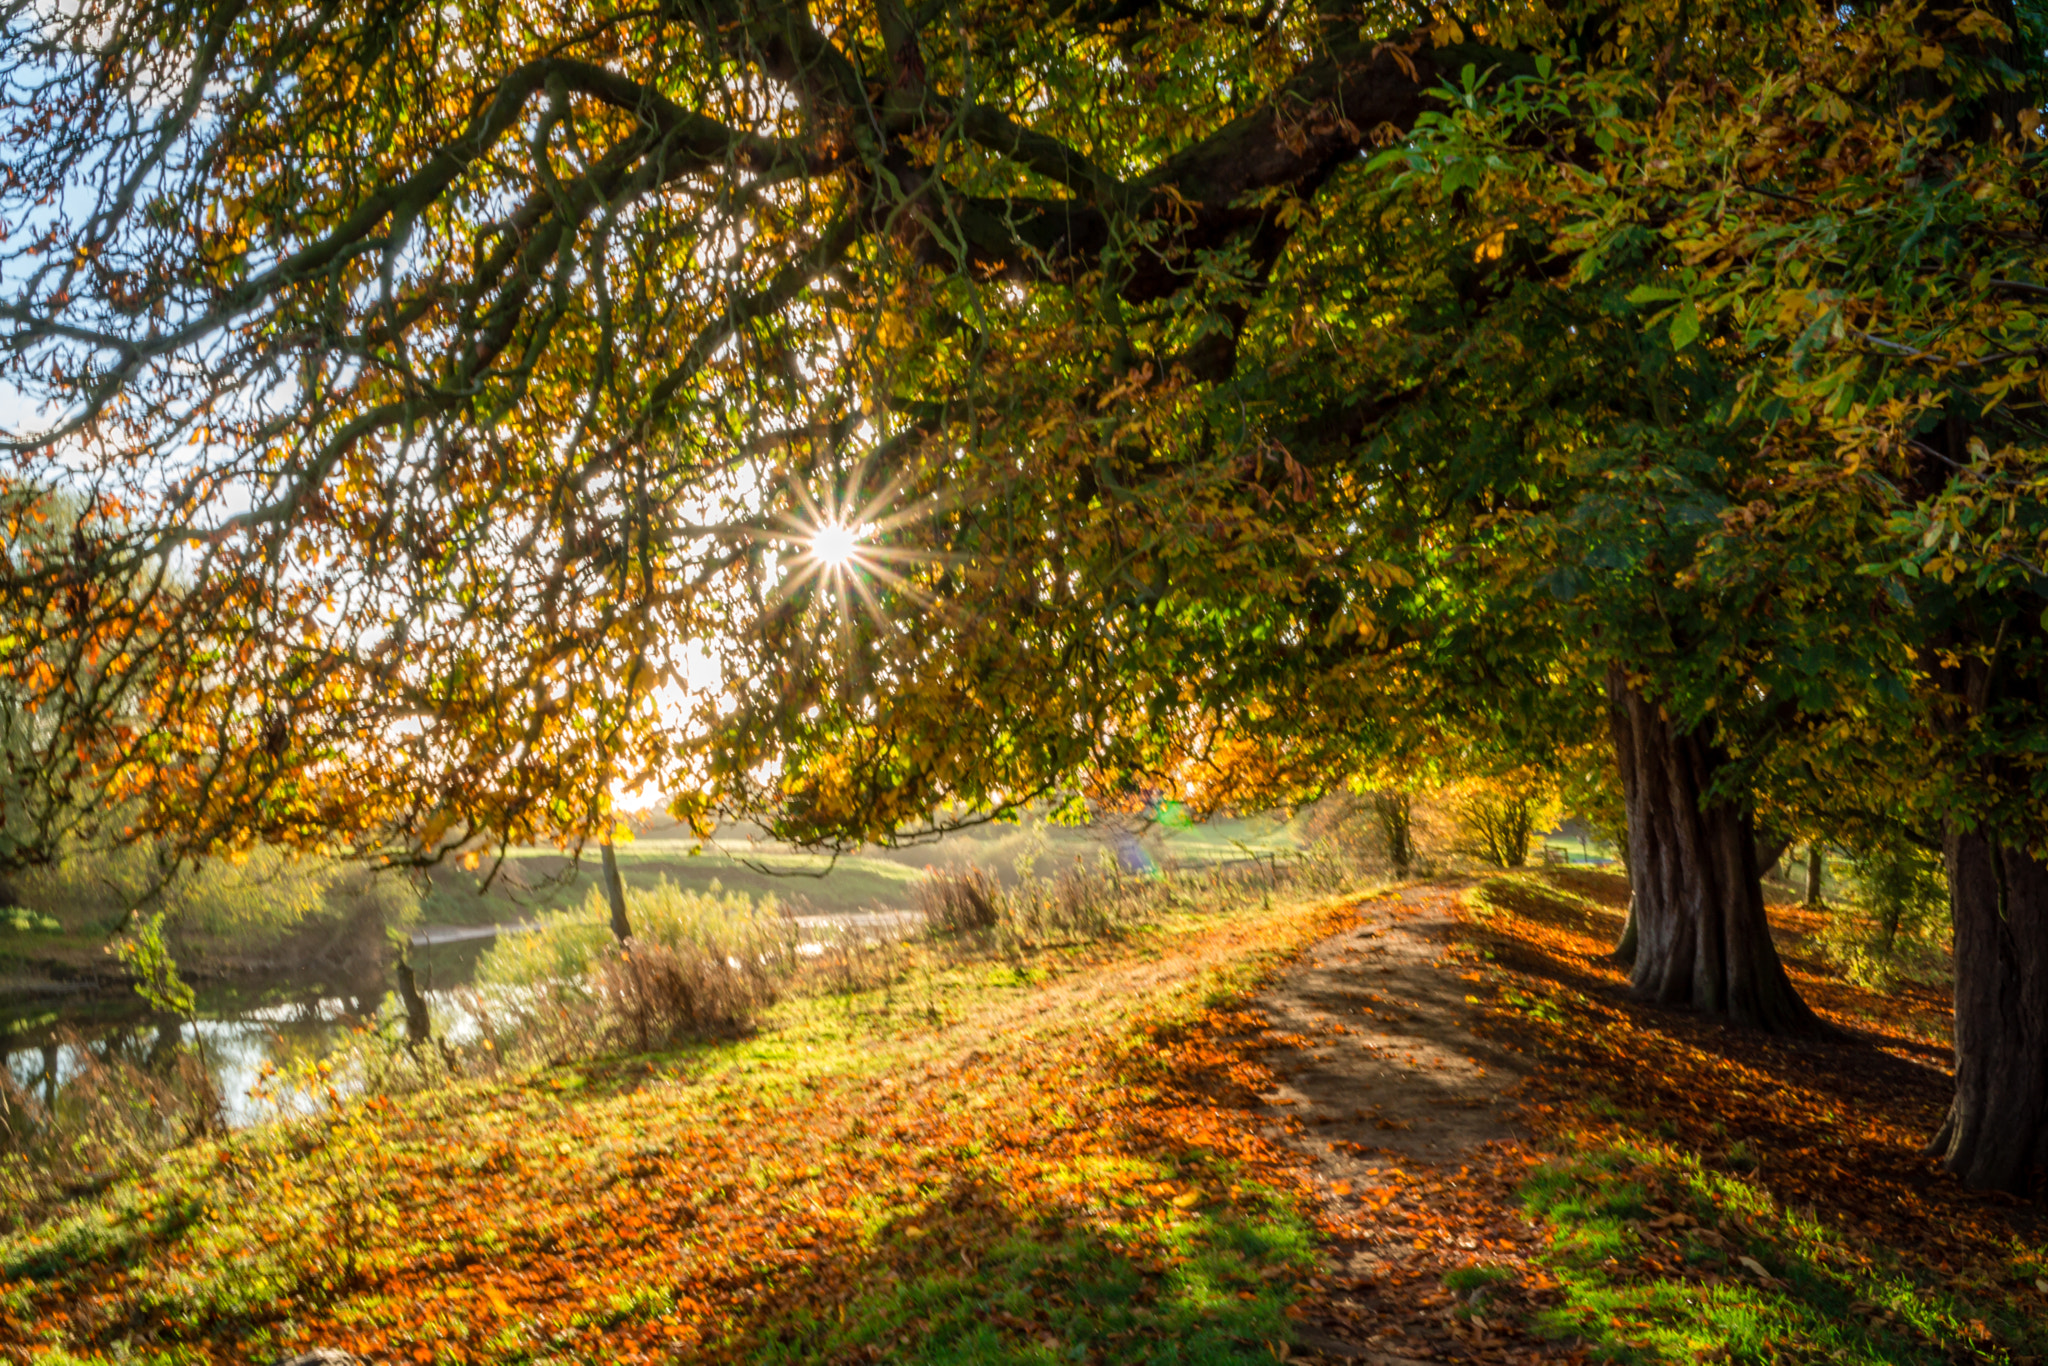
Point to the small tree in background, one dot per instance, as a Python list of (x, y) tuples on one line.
[(1898, 925), (1393, 812), (1498, 816)]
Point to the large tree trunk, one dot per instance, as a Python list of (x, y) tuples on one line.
[(1996, 1134), (1701, 937)]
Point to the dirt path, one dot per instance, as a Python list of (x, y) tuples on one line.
[(1400, 1106)]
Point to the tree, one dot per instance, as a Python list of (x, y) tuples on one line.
[(460, 403), (1392, 812), (615, 894), (1502, 813), (1115, 391), (1030, 322), (1874, 282)]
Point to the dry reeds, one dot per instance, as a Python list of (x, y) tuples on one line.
[(654, 993), (958, 900), (700, 964), (1083, 904)]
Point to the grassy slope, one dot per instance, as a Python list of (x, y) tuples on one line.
[(538, 880), (1709, 1193), (1049, 1159), (1029, 1160)]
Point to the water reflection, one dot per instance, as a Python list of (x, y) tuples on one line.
[(237, 1036), (267, 1045), (44, 1057)]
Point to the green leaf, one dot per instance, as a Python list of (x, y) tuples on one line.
[(1685, 327), (1650, 294)]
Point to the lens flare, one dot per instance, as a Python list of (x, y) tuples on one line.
[(835, 545)]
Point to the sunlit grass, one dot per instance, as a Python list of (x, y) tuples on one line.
[(977, 1161), (1665, 1260)]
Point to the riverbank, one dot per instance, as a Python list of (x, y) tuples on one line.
[(1424, 1126), (865, 1170)]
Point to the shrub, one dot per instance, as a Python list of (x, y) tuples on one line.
[(253, 898), (1498, 816), (1376, 828), (120, 1103), (1076, 903), (957, 900), (699, 963), (22, 920), (656, 993)]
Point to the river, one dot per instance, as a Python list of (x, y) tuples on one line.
[(242, 1033)]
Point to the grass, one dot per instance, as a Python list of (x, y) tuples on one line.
[(1706, 1193), (1047, 1156), (1663, 1259), (539, 880), (1030, 1160), (544, 879)]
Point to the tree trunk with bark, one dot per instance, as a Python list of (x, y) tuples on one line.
[(1813, 875), (1996, 1133), (419, 1022), (1625, 947), (1697, 905), (615, 895), (1394, 814)]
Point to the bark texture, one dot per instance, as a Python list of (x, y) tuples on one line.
[(615, 895), (1996, 1134), (1625, 947), (1813, 875), (419, 1023), (1701, 936)]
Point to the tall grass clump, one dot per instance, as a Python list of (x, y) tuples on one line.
[(1080, 903), (699, 964), (957, 900)]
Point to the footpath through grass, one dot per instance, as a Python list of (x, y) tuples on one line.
[(1041, 1159), (1057, 1158)]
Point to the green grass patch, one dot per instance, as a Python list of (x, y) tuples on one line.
[(1662, 1259)]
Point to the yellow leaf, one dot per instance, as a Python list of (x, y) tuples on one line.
[(1186, 1199)]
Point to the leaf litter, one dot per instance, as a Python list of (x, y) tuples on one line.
[(1441, 1130)]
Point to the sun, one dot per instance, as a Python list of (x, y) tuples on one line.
[(835, 545)]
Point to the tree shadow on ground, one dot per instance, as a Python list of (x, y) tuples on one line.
[(966, 1279), (1832, 1125)]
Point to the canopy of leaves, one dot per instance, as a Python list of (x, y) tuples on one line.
[(451, 394)]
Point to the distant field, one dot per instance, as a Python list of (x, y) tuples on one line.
[(536, 880)]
